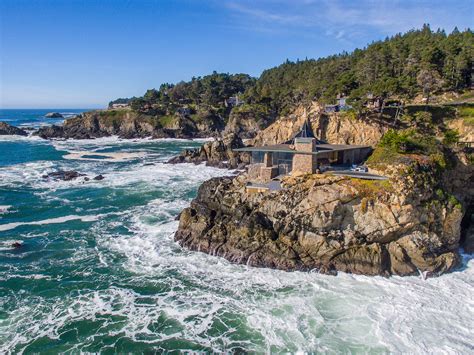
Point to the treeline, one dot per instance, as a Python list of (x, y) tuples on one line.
[(403, 66), (205, 93), (419, 61)]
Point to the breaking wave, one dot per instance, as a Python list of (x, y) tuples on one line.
[(118, 282)]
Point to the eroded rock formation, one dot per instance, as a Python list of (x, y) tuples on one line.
[(218, 153), (397, 227)]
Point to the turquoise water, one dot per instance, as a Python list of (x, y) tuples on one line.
[(99, 270)]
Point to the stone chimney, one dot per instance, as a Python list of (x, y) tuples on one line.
[(305, 163)]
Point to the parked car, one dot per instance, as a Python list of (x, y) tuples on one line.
[(360, 169)]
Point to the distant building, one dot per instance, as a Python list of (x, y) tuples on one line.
[(119, 106), (233, 101), (341, 105), (373, 102)]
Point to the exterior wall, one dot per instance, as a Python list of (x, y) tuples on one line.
[(268, 159), (305, 163), (354, 156), (268, 173)]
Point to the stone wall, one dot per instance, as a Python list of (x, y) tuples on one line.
[(304, 163)]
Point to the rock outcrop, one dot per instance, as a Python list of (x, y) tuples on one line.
[(328, 223), (336, 128), (218, 153), (130, 124), (6, 129), (53, 115), (65, 175)]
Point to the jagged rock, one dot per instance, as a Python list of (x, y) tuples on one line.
[(53, 115), (51, 132), (6, 129), (218, 153), (327, 223), (99, 177), (65, 175), (17, 245)]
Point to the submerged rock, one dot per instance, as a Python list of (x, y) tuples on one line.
[(17, 245), (6, 129), (328, 223), (99, 177)]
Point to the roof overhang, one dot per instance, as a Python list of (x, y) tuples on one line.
[(284, 148)]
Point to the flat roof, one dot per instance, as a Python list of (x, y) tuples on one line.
[(286, 148)]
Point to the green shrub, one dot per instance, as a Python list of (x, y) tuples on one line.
[(451, 136), (400, 141)]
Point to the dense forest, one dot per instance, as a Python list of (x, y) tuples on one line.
[(419, 61), (402, 66)]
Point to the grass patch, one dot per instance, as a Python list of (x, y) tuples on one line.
[(371, 189), (167, 121), (467, 114)]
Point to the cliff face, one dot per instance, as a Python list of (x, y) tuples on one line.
[(130, 124), (466, 131), (400, 226), (336, 128)]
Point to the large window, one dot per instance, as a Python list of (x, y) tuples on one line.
[(257, 157), (284, 162)]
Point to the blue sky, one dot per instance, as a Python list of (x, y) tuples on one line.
[(82, 54)]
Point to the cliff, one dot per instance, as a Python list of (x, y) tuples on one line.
[(336, 128), (403, 226), (130, 124)]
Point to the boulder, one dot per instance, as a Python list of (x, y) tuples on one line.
[(53, 115), (6, 129), (219, 153)]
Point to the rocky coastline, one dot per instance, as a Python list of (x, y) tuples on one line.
[(128, 124), (403, 226)]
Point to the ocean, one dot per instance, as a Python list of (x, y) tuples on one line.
[(99, 271)]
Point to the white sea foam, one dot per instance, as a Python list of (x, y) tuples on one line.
[(218, 305), (13, 225), (78, 144), (16, 138), (104, 156), (5, 209), (298, 311)]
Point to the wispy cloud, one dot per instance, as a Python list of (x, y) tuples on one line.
[(343, 19)]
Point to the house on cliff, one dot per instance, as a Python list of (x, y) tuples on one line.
[(303, 153), (341, 105)]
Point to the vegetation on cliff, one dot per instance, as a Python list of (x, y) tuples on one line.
[(405, 65)]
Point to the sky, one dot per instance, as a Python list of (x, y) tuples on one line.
[(84, 53)]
